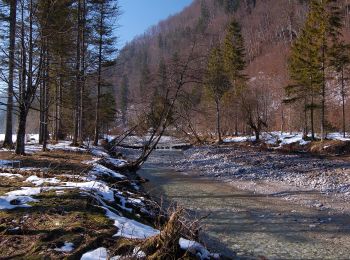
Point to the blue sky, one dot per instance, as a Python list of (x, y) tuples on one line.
[(139, 15)]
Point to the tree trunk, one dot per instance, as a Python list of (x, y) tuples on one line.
[(323, 105), (306, 130), (21, 132), (236, 120), (97, 116), (9, 112), (343, 102), (46, 98), (312, 121), (77, 83), (218, 125), (257, 135), (82, 75)]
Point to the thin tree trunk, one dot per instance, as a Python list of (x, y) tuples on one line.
[(236, 120), (323, 119), (312, 119), (97, 116), (46, 98), (343, 102), (218, 125), (306, 130), (77, 83), (82, 75), (9, 112)]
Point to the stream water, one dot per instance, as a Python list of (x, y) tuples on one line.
[(249, 225)]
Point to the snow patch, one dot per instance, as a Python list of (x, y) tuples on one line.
[(39, 181), (67, 247), (97, 254)]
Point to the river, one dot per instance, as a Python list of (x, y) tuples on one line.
[(247, 224)]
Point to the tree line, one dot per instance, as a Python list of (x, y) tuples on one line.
[(233, 94), (54, 54)]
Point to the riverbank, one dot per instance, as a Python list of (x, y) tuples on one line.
[(248, 165), (70, 203), (252, 217)]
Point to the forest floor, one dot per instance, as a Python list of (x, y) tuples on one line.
[(69, 203)]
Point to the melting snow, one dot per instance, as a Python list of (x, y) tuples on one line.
[(22, 197), (67, 247), (129, 228), (99, 170), (39, 181), (195, 248), (11, 175), (97, 254)]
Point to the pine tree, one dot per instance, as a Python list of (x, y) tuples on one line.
[(309, 59), (234, 60), (234, 52), (106, 13), (217, 84)]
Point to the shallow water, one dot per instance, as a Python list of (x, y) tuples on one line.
[(251, 225)]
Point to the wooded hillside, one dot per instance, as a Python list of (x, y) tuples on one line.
[(269, 28)]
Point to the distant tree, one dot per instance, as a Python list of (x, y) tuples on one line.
[(162, 78), (124, 93), (234, 60), (309, 58), (216, 84), (204, 19), (145, 78), (340, 60), (230, 6)]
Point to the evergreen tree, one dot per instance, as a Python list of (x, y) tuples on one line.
[(309, 59), (217, 84), (106, 13), (234, 60), (234, 53)]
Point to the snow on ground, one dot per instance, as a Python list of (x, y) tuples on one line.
[(197, 249), (100, 170), (130, 228), (278, 138), (92, 186), (30, 138), (21, 197), (67, 247), (37, 181), (97, 254), (11, 175)]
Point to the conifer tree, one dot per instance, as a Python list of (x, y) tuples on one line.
[(234, 60), (217, 84), (309, 59), (106, 13)]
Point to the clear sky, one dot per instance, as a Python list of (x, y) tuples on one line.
[(139, 15)]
